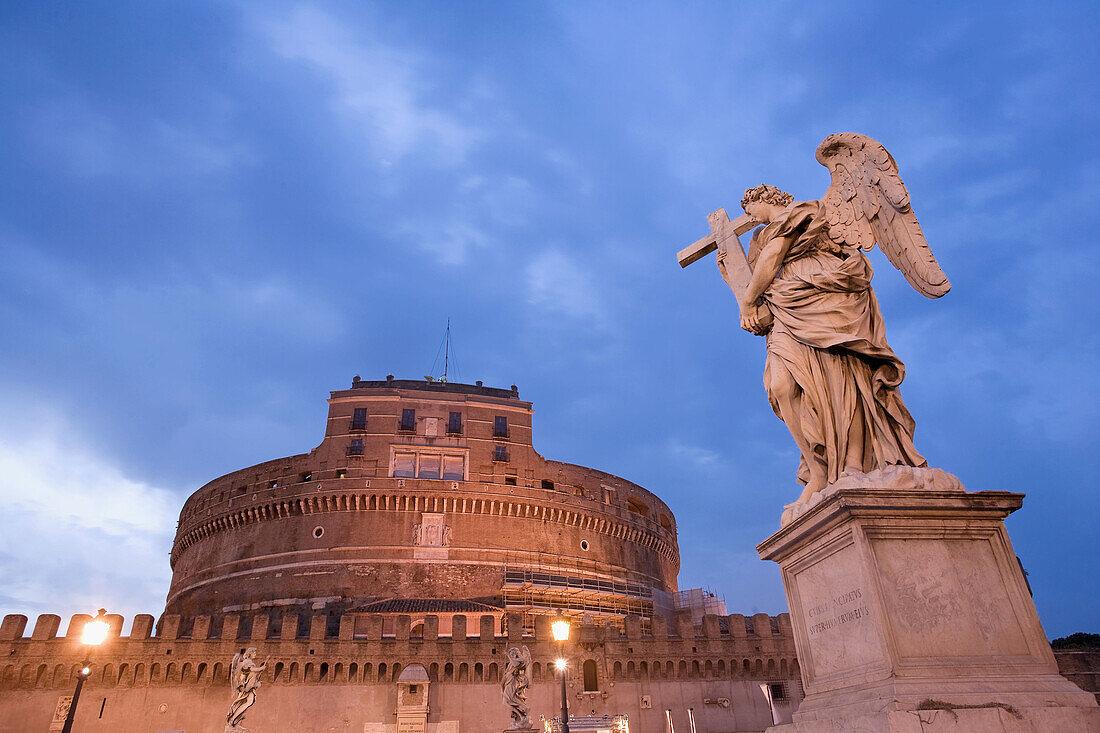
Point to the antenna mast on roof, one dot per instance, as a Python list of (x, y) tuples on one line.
[(445, 350)]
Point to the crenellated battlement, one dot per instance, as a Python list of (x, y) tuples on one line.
[(364, 649)]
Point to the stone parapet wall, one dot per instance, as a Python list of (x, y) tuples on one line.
[(305, 650), (1081, 667), (352, 666)]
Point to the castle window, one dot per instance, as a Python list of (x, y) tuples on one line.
[(500, 426), (500, 453), (306, 476), (355, 447), (779, 691), (429, 467), (408, 420), (637, 507), (452, 468), (510, 480), (403, 465), (359, 419), (341, 473), (590, 684), (548, 485), (454, 423)]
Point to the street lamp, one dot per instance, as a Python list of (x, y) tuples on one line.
[(95, 631), (560, 627)]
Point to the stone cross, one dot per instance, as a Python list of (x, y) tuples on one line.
[(731, 260)]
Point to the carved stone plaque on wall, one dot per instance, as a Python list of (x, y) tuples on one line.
[(60, 712), (431, 537)]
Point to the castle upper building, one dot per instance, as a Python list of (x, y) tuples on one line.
[(424, 498)]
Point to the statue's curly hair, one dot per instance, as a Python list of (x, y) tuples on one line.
[(767, 194)]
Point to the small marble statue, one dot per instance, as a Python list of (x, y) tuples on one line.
[(805, 285), (514, 684), (244, 677)]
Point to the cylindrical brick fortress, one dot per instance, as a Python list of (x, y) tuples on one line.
[(428, 492)]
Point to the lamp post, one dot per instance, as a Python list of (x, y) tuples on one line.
[(95, 631), (560, 627)]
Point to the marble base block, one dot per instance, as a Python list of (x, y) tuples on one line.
[(911, 613)]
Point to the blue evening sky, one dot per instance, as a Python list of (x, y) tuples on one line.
[(211, 214)]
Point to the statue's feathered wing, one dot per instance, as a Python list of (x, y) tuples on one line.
[(867, 202)]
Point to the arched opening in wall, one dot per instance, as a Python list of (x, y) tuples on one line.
[(682, 671), (666, 522), (721, 667), (278, 672), (494, 672), (591, 684), (154, 673), (417, 630), (630, 674), (170, 673), (746, 669), (433, 672), (771, 668), (464, 672), (324, 671), (695, 668), (58, 678), (758, 669), (783, 668), (655, 670), (396, 672), (643, 670), (536, 672), (668, 670), (108, 676), (308, 676), (40, 676), (708, 669), (448, 672), (637, 507), (353, 672), (293, 675), (201, 672), (216, 677), (139, 674), (381, 671), (617, 671), (368, 670), (478, 672)]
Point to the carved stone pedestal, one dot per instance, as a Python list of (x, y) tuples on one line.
[(911, 613)]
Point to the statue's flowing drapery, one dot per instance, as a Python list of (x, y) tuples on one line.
[(829, 335)]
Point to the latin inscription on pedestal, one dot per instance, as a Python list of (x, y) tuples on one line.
[(837, 611)]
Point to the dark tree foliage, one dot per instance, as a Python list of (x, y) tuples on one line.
[(1080, 640)]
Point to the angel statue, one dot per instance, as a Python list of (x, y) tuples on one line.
[(514, 684), (244, 677), (806, 286)]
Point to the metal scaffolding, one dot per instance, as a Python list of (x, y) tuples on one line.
[(537, 584)]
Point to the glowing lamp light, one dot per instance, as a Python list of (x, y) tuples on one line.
[(559, 663), (560, 628), (95, 631), (85, 671)]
